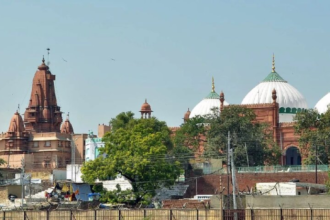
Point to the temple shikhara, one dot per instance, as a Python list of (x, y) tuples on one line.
[(41, 140)]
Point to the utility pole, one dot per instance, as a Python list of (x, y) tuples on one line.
[(316, 156), (228, 164), (247, 156), (22, 179), (233, 176)]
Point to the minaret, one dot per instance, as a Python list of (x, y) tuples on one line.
[(145, 110), (222, 99), (186, 116), (43, 114)]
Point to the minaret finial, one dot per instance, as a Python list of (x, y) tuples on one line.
[(213, 84), (273, 67)]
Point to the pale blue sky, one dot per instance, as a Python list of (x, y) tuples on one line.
[(165, 51)]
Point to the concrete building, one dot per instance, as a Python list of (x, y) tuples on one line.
[(92, 146)]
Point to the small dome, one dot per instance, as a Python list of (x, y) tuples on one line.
[(66, 127), (323, 104), (186, 115), (204, 107), (145, 107), (16, 123), (43, 66), (288, 97)]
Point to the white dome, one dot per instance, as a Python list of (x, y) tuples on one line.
[(323, 104), (290, 100), (205, 106)]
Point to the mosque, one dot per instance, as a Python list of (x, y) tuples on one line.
[(274, 101)]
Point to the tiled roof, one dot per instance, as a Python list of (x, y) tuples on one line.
[(274, 77)]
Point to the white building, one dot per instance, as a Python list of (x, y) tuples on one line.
[(92, 146), (289, 188)]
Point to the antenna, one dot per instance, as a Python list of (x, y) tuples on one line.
[(48, 62)]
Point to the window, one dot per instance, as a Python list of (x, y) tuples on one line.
[(60, 143), (67, 144), (47, 163), (47, 144), (36, 144)]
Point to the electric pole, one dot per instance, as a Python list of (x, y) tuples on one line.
[(22, 179), (228, 164)]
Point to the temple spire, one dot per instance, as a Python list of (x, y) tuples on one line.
[(213, 84), (273, 66)]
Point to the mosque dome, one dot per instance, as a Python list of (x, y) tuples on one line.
[(290, 100), (204, 107), (323, 104)]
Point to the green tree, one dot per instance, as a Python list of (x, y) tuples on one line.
[(248, 137), (139, 152), (314, 131), (187, 139), (2, 162), (122, 120)]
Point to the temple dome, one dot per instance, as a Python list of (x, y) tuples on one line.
[(323, 104), (290, 100), (16, 124), (204, 107), (66, 127)]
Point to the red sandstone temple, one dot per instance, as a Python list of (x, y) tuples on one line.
[(41, 139)]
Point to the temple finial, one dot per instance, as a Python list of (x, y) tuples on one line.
[(43, 59), (213, 84), (67, 116), (273, 66), (145, 101)]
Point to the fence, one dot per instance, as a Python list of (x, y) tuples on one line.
[(169, 214)]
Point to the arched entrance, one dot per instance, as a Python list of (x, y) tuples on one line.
[(292, 156)]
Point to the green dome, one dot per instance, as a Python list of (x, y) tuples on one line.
[(274, 77), (212, 95)]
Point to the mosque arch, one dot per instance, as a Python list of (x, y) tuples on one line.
[(292, 156)]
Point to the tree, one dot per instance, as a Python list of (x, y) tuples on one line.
[(314, 131), (248, 137), (122, 120), (2, 162), (187, 140), (138, 151)]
